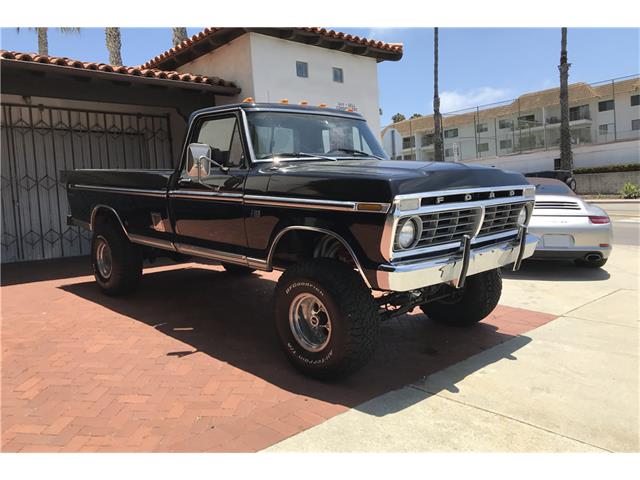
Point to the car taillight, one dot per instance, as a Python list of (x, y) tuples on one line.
[(599, 219)]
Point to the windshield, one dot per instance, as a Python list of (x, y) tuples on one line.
[(290, 134)]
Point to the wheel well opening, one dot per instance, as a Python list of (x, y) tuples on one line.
[(298, 245), (103, 216)]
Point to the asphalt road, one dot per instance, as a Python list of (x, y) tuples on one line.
[(626, 221)]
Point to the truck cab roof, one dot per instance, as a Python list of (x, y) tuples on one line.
[(276, 107)]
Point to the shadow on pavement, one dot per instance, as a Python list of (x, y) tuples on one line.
[(556, 270), (229, 318)]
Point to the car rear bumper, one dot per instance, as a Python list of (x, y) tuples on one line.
[(410, 276), (571, 241)]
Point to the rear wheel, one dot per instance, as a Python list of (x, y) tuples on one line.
[(326, 318), (237, 269), (469, 305), (117, 263)]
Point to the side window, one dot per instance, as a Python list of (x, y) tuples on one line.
[(223, 136)]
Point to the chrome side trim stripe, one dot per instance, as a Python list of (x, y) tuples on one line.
[(211, 254), (200, 195), (309, 203), (132, 191), (152, 242)]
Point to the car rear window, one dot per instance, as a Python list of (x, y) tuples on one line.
[(555, 188)]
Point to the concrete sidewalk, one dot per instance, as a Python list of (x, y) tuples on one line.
[(569, 385)]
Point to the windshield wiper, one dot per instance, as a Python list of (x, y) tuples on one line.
[(355, 152), (302, 154)]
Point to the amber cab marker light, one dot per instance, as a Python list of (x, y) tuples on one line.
[(248, 100), (284, 101), (304, 102), (599, 219), (323, 105)]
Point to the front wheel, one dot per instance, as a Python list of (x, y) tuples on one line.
[(326, 318), (469, 305)]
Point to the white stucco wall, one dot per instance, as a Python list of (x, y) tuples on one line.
[(231, 62), (264, 68)]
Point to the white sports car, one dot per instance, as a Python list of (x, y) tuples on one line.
[(568, 227)]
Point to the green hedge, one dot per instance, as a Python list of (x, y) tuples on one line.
[(628, 167)]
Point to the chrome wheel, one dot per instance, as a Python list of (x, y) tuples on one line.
[(103, 257), (309, 322)]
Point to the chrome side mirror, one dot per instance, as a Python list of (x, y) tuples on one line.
[(197, 164)]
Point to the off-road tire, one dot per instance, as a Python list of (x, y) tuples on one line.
[(477, 299), (237, 269), (350, 307), (126, 270), (590, 263)]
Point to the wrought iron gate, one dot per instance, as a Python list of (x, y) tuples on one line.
[(38, 142)]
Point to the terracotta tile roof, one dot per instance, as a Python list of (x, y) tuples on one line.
[(578, 92), (123, 70), (207, 33)]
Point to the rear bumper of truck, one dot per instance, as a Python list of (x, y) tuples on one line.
[(454, 268)]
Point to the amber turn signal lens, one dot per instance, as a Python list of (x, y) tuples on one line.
[(370, 207), (248, 100)]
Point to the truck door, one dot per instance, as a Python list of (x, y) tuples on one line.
[(208, 213)]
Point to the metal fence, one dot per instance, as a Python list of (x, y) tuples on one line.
[(39, 142)]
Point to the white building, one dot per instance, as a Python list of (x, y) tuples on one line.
[(524, 134), (315, 65)]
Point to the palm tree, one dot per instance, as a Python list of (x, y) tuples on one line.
[(112, 36), (43, 40), (437, 118), (398, 117), (566, 155), (179, 35)]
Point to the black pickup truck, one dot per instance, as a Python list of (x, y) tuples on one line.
[(309, 191)]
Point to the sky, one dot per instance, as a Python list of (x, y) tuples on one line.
[(478, 66)]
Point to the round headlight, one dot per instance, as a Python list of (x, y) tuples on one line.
[(522, 216), (408, 234)]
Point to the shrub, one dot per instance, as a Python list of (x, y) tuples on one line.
[(627, 167), (630, 190)]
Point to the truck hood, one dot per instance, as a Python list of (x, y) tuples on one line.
[(378, 180)]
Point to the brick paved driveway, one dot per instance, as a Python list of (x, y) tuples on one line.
[(188, 363)]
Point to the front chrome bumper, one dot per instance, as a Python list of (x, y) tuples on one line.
[(450, 269)]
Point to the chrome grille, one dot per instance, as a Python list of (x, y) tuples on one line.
[(500, 218), (545, 204), (445, 227)]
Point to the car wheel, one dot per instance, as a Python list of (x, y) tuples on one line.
[(117, 263), (468, 306), (326, 319)]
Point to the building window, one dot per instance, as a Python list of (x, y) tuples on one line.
[(338, 75), (635, 124), (427, 139), (409, 157), (451, 133), (527, 121), (302, 69), (635, 100), (408, 142), (448, 152), (579, 113), (603, 129), (605, 105), (506, 144), (483, 147), (482, 127), (505, 124)]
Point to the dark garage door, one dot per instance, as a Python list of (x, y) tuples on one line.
[(38, 142)]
